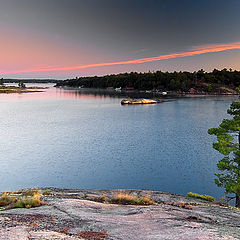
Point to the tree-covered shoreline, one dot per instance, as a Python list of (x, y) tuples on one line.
[(217, 81)]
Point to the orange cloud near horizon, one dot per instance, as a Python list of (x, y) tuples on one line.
[(195, 51)]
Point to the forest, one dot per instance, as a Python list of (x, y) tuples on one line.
[(199, 81)]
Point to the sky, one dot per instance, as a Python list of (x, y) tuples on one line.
[(72, 38)]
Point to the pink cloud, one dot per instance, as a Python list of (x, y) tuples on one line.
[(195, 51)]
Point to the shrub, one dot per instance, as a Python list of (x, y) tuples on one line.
[(26, 200), (102, 198), (6, 200), (85, 196), (204, 197)]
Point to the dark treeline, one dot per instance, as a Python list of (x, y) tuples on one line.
[(170, 81), (2, 80)]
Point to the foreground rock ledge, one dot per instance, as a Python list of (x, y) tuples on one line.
[(69, 216)]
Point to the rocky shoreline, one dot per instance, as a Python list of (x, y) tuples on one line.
[(75, 214), (14, 89)]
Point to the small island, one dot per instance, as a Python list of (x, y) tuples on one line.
[(20, 85), (140, 101), (20, 89)]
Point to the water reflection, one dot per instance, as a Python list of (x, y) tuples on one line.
[(74, 93)]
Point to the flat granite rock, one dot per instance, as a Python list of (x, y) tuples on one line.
[(69, 215)]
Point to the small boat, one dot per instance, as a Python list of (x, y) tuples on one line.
[(140, 101)]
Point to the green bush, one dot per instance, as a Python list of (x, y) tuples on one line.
[(47, 192), (204, 197)]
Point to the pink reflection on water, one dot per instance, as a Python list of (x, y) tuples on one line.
[(52, 93)]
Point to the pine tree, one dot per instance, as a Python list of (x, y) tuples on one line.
[(21, 84), (228, 144)]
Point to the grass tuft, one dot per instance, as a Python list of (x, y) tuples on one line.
[(127, 199), (93, 235), (203, 197)]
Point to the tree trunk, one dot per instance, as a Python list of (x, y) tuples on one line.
[(237, 201), (237, 195), (238, 140)]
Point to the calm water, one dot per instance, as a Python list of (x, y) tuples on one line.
[(63, 138)]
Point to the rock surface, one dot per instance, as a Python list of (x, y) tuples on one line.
[(70, 214)]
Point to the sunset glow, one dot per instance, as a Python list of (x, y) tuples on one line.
[(195, 51)]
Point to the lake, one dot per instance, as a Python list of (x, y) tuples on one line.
[(86, 139)]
